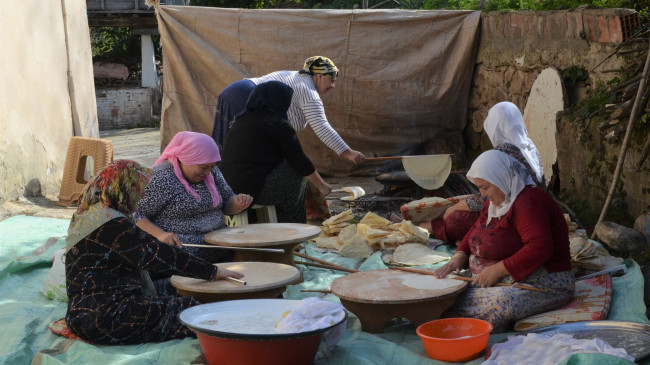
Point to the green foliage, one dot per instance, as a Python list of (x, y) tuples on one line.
[(538, 5), (574, 74), (485, 5), (247, 4), (411, 4), (598, 97), (114, 42)]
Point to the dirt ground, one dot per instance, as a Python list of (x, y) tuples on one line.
[(143, 145)]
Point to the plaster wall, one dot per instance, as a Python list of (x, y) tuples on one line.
[(47, 92)]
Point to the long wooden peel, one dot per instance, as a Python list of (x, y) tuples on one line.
[(383, 158), (327, 263), (260, 249), (422, 272), (339, 268)]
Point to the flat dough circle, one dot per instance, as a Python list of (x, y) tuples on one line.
[(417, 254), (428, 282), (428, 171)]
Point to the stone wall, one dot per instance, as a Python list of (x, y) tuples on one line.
[(125, 108), (515, 47)]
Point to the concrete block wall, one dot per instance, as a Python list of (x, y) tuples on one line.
[(124, 108)]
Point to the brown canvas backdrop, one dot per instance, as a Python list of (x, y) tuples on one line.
[(404, 82)]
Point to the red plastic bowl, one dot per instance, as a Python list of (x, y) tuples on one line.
[(222, 347), (454, 339)]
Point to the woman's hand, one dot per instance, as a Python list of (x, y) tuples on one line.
[(223, 273), (324, 189), (242, 201), (238, 203), (460, 206), (457, 263), (353, 156), (491, 275), (315, 179), (170, 238)]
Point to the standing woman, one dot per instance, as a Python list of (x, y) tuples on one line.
[(263, 157), (316, 78), (521, 236), (109, 263), (505, 127), (187, 196)]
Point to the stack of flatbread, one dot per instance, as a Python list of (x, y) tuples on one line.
[(371, 234), (334, 224), (588, 257)]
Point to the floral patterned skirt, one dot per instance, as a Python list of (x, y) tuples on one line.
[(504, 305)]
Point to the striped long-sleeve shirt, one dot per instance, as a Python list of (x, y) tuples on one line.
[(306, 107)]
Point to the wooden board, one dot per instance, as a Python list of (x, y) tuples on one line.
[(259, 276), (390, 287), (262, 234)]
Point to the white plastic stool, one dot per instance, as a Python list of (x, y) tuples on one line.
[(264, 213)]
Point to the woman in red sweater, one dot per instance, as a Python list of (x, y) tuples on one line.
[(521, 236)]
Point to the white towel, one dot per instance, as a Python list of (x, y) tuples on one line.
[(542, 349)]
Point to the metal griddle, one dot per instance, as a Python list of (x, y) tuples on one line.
[(634, 337)]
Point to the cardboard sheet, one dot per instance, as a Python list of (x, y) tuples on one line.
[(404, 80)]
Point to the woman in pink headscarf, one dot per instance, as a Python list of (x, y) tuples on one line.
[(187, 195)]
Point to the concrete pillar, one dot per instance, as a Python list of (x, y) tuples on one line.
[(149, 74)]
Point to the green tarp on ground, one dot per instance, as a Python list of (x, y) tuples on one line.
[(27, 245)]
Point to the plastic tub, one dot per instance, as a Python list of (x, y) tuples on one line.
[(454, 339), (245, 347)]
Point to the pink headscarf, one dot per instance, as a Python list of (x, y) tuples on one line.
[(191, 148)]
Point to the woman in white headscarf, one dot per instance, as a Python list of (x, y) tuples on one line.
[(521, 236), (506, 130)]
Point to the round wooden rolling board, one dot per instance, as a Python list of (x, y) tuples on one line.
[(262, 234), (258, 276), (391, 287)]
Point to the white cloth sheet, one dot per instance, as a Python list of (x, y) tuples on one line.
[(542, 349)]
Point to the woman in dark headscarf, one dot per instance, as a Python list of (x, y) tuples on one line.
[(110, 262), (262, 156)]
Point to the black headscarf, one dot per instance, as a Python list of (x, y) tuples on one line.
[(273, 96)]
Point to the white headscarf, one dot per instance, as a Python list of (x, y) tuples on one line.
[(505, 123), (503, 171)]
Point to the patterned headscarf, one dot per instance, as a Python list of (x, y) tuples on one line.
[(505, 123), (320, 65), (113, 193), (273, 96), (503, 171), (191, 148)]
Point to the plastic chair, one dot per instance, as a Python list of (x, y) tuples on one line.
[(264, 214), (79, 149)]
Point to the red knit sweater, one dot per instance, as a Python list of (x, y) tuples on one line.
[(531, 234)]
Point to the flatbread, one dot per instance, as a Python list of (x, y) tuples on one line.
[(355, 247), (412, 232), (429, 282), (339, 218), (375, 221), (392, 240), (347, 233), (428, 171), (328, 242), (372, 235), (413, 254)]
